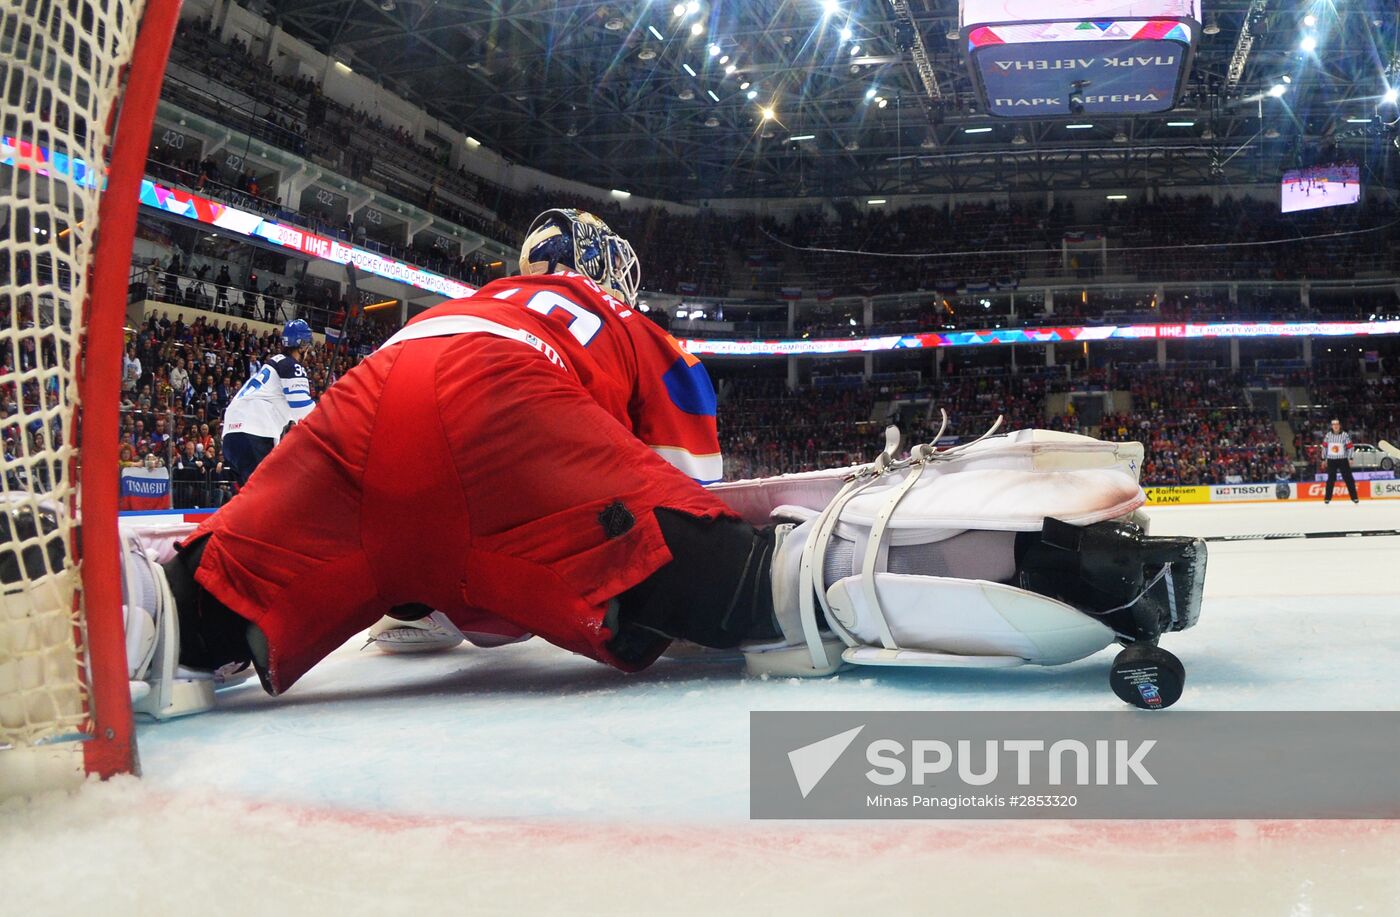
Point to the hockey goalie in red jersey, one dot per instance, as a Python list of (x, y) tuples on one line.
[(532, 460)]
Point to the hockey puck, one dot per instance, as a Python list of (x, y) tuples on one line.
[(1147, 676)]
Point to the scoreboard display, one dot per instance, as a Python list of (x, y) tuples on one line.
[(1078, 58)]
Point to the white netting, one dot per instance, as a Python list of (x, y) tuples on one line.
[(59, 69)]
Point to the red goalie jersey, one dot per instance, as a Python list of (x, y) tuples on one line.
[(637, 372), (501, 459)]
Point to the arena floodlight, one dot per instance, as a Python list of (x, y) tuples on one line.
[(679, 10), (768, 113), (803, 137), (1277, 90), (656, 34), (831, 7), (688, 69), (714, 50), (875, 201), (1310, 20), (846, 33), (753, 94), (870, 93), (977, 130), (1181, 124), (745, 85), (697, 28), (711, 94), (1391, 96), (1308, 45), (1116, 197), (693, 7), (1078, 127)]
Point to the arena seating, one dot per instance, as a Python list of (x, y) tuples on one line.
[(1170, 238), (1198, 428)]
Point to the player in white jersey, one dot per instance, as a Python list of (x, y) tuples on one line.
[(276, 396)]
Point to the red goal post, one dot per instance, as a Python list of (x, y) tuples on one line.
[(81, 79)]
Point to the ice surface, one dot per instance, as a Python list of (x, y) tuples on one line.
[(521, 779)]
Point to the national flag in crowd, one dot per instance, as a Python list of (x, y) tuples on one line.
[(144, 489), (687, 288), (825, 294), (332, 336), (790, 294)]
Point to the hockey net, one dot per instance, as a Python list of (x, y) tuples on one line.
[(80, 80)]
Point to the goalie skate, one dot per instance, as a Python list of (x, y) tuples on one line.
[(431, 634)]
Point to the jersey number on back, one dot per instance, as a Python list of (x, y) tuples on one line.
[(257, 381), (584, 325)]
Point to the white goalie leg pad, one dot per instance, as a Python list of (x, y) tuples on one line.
[(917, 507), (160, 688), (1049, 450), (963, 621), (757, 499)]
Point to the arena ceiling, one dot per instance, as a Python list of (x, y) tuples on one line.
[(588, 91)]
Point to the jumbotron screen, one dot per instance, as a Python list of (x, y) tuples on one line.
[(1321, 186)]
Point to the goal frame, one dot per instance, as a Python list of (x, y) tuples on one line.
[(109, 746)]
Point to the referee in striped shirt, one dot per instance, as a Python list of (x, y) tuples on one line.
[(1336, 444)]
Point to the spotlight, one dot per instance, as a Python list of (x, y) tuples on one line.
[(724, 58), (1308, 45), (882, 102), (1277, 90), (855, 49), (714, 50), (870, 93), (745, 84), (1391, 96), (697, 28), (768, 114), (693, 7), (679, 10), (752, 94), (831, 7), (1310, 20), (846, 33)]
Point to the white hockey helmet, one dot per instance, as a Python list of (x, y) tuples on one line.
[(577, 240)]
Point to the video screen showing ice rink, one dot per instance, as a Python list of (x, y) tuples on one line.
[(1321, 186)]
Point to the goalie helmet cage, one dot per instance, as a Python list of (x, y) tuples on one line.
[(80, 79)]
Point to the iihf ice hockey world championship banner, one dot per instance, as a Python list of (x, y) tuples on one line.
[(144, 489)]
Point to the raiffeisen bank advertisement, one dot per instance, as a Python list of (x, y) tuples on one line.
[(231, 219), (1068, 334)]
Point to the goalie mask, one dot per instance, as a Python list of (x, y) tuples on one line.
[(579, 241)]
